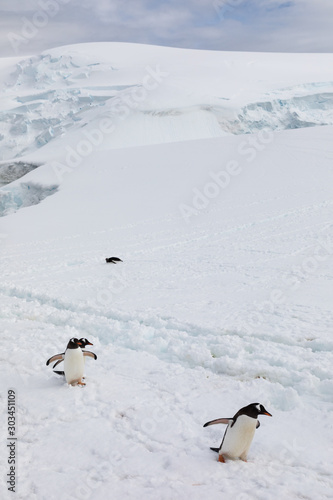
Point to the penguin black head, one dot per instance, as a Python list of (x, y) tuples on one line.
[(85, 342), (253, 410), (74, 343)]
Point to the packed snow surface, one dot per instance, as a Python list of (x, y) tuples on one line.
[(187, 166)]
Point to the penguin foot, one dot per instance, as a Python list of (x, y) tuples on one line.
[(76, 382), (221, 459)]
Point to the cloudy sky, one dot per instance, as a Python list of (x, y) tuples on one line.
[(30, 26)]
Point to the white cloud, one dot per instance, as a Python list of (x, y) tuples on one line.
[(257, 25)]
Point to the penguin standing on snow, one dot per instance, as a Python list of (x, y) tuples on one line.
[(73, 359), (238, 436), (84, 343)]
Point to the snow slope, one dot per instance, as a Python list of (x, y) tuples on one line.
[(223, 297), (158, 94)]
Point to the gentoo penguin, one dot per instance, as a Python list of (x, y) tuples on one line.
[(238, 436), (84, 343), (74, 361), (113, 260)]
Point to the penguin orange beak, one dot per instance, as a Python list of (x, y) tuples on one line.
[(268, 414), (89, 343)]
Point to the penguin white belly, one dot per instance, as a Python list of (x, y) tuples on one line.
[(238, 438), (74, 365)]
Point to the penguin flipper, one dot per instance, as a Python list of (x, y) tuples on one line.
[(215, 449), (59, 361), (218, 421), (58, 372), (55, 357), (258, 424), (90, 354)]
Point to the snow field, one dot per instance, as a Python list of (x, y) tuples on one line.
[(223, 298), (150, 438)]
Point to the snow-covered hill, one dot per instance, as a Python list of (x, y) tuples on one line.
[(161, 95), (180, 163)]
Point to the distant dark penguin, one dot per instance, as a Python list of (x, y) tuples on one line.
[(238, 436), (113, 260)]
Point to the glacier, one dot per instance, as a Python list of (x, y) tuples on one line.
[(23, 195), (52, 94)]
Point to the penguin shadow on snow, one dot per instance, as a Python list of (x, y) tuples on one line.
[(239, 433), (73, 358)]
